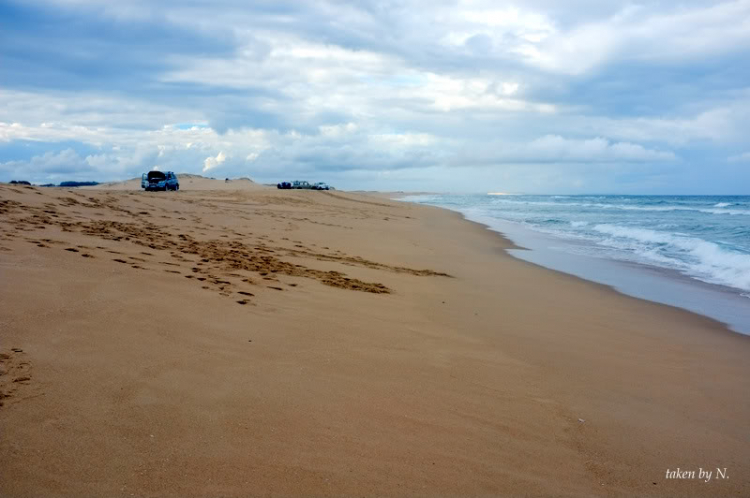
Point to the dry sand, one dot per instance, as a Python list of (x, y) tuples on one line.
[(243, 341)]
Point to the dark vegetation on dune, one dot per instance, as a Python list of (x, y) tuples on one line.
[(61, 184), (78, 184)]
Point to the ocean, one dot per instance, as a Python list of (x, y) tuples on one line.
[(692, 252)]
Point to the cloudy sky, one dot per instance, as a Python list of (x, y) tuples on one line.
[(539, 96)]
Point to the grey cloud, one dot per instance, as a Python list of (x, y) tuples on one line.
[(429, 86)]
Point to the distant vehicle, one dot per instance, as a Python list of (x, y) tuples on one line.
[(160, 180), (19, 182), (301, 184)]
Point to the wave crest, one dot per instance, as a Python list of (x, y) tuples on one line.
[(707, 260)]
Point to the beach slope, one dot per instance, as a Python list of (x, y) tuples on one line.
[(241, 340)]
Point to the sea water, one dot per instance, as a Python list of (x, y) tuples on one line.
[(691, 252)]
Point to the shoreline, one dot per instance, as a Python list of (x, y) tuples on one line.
[(711, 323), (671, 277), (513, 246), (228, 360)]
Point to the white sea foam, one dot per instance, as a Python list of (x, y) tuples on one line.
[(697, 257), (625, 207), (733, 212), (665, 240), (420, 198)]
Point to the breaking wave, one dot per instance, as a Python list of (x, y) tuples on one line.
[(703, 259), (718, 208)]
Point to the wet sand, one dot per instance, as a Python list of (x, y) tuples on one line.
[(234, 340)]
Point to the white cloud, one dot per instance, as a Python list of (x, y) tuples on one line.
[(65, 163), (212, 162), (740, 158), (337, 131), (403, 139), (558, 149), (718, 125), (641, 33)]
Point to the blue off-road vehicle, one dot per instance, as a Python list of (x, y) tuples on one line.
[(159, 180)]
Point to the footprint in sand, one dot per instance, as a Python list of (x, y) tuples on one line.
[(15, 374)]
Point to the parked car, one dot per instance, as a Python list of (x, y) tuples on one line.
[(321, 186), (301, 184), (284, 185), (160, 180)]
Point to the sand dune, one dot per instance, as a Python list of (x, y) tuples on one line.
[(188, 182), (225, 341)]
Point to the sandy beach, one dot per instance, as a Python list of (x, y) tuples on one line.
[(232, 339)]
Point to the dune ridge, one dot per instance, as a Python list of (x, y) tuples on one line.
[(188, 181)]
